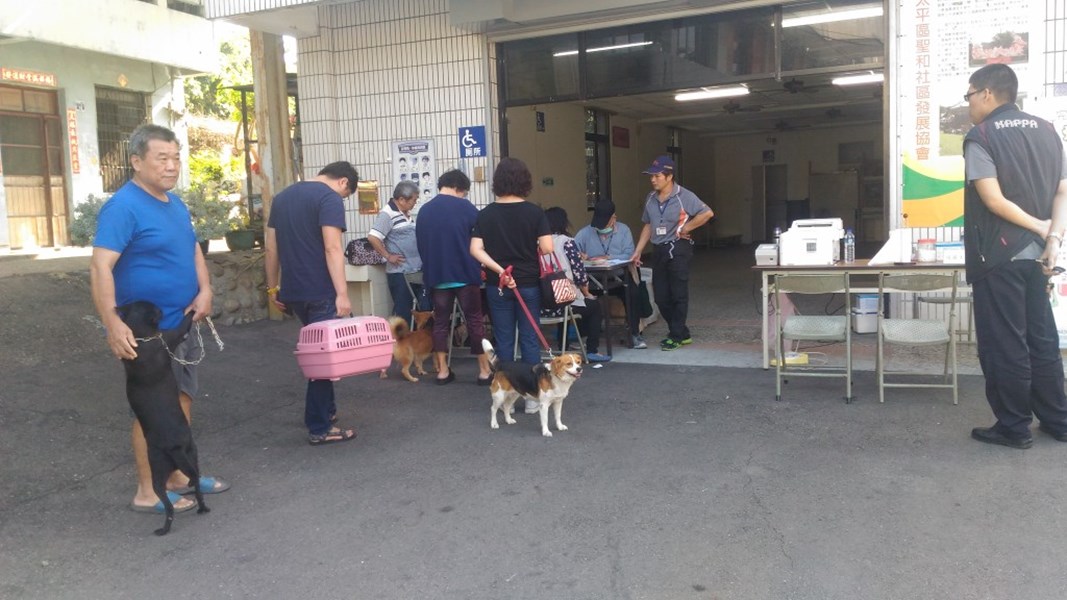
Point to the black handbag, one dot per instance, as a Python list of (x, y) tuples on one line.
[(360, 252), (556, 288)]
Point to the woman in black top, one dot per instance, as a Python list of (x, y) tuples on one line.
[(512, 232)]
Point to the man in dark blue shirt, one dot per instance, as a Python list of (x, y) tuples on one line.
[(306, 272)]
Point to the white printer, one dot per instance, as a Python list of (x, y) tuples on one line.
[(812, 242)]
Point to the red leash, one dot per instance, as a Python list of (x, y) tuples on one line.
[(536, 324)]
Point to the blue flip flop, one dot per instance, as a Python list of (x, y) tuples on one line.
[(157, 508), (208, 485)]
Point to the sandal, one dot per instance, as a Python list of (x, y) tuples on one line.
[(331, 436)]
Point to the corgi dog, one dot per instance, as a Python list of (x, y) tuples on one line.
[(546, 383), (412, 347)]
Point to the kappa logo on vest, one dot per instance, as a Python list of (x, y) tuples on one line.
[(1019, 123)]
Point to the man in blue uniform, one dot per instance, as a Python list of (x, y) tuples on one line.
[(671, 215)]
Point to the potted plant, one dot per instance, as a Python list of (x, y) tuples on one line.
[(210, 210), (242, 233)]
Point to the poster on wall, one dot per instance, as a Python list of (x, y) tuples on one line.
[(942, 43), (413, 160)]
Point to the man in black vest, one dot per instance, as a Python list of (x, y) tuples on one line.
[(1015, 212)]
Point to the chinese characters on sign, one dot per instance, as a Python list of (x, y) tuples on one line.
[(922, 80), (72, 134), (472, 141), (30, 77)]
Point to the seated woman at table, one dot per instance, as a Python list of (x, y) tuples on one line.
[(585, 303), (605, 238)]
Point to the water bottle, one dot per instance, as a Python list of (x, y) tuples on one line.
[(850, 246), (777, 245)]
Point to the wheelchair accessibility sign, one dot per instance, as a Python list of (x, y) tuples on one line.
[(472, 141)]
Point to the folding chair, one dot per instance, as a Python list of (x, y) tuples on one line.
[(812, 328), (412, 279), (569, 317), (917, 332)]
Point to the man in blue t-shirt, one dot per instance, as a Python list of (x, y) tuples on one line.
[(145, 249), (306, 272)]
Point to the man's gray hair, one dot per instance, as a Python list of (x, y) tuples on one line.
[(405, 189), (146, 133)]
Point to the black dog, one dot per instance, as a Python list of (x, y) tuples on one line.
[(152, 390)]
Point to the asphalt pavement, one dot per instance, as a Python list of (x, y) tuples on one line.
[(673, 481)]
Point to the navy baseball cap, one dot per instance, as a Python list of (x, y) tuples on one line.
[(662, 164)]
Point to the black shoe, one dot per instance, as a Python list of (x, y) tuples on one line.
[(1059, 437), (447, 380), (486, 381), (990, 435)]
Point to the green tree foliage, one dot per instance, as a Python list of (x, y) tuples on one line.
[(210, 94)]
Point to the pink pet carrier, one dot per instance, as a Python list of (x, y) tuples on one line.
[(344, 347)]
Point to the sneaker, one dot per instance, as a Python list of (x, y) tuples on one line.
[(669, 344), (686, 341), (638, 342), (532, 408), (596, 357)]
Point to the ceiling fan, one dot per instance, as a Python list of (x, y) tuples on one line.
[(731, 107), (795, 86)]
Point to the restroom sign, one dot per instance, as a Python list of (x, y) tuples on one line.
[(472, 141)]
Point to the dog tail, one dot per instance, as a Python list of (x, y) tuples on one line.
[(399, 327), (494, 362)]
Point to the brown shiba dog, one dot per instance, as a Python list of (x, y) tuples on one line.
[(412, 346)]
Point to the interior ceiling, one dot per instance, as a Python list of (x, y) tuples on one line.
[(793, 103)]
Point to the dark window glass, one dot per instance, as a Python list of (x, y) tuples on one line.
[(725, 47), (832, 33), (118, 113), (55, 162), (53, 132), (22, 161), (597, 159), (541, 69), (628, 59), (21, 131)]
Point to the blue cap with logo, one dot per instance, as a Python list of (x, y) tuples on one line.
[(662, 164)]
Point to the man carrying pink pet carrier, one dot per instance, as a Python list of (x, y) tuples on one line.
[(306, 273)]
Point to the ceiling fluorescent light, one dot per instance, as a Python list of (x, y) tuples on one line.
[(603, 48), (832, 17), (859, 79), (709, 93)]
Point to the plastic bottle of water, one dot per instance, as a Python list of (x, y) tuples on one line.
[(850, 246), (777, 245)]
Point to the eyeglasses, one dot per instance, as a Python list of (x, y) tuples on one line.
[(967, 96)]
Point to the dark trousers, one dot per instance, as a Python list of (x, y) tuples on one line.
[(319, 403), (402, 300), (470, 302), (1018, 348), (506, 314), (670, 285)]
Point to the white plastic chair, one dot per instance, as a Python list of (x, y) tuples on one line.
[(917, 332), (812, 328)]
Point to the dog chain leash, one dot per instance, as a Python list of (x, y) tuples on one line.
[(199, 339)]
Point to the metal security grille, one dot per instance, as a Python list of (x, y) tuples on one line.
[(1056, 48), (118, 113)]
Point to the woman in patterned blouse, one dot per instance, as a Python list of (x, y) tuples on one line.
[(585, 304)]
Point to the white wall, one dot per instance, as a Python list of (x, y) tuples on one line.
[(382, 71), (557, 153), (77, 73), (803, 150), (150, 32)]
